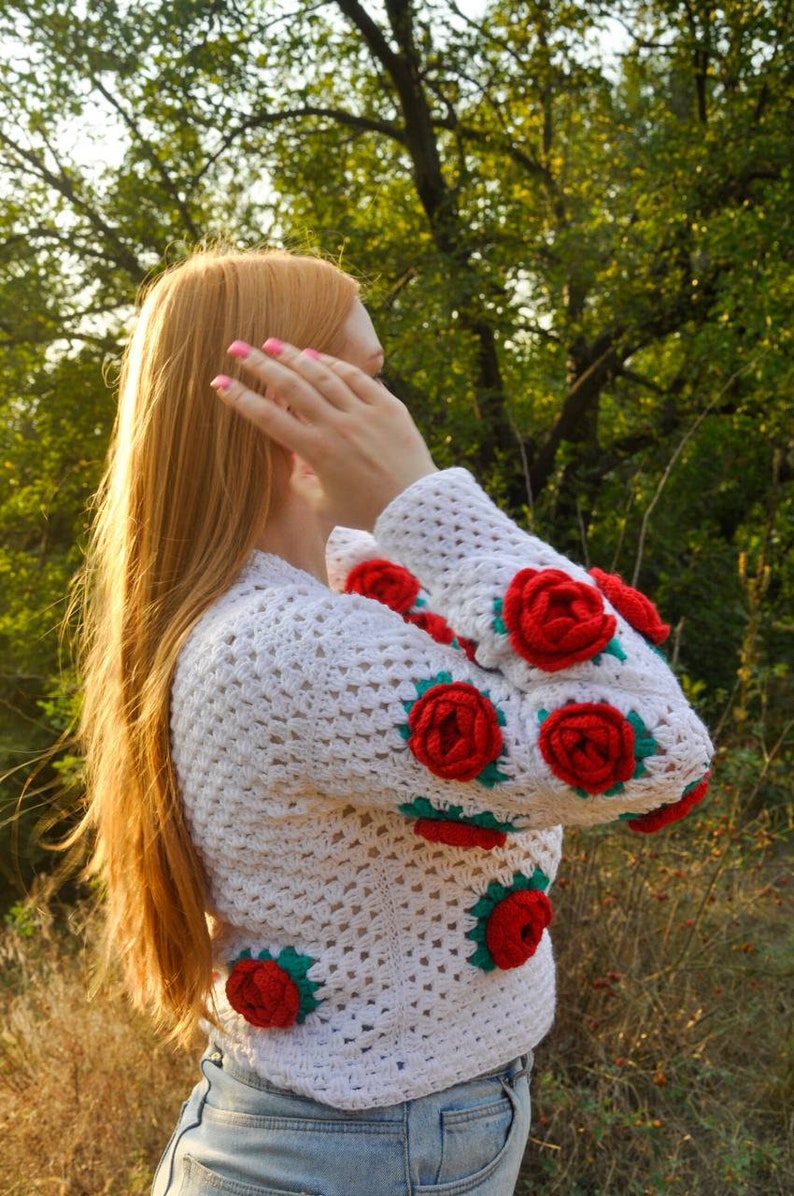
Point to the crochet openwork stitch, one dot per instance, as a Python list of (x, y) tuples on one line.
[(375, 775)]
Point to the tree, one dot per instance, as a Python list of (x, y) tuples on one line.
[(577, 245)]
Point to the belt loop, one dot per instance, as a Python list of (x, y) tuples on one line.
[(524, 1068), (213, 1055)]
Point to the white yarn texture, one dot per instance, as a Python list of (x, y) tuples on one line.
[(287, 704)]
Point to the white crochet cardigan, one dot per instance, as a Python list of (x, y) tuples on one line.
[(379, 813)]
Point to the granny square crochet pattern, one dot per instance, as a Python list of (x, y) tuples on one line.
[(376, 775)]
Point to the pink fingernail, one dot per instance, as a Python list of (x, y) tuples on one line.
[(273, 346), (221, 382), (239, 349), (315, 356)]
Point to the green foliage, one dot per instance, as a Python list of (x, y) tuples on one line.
[(53, 433), (574, 226)]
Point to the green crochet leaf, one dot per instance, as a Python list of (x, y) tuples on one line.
[(430, 683), (490, 823), (483, 959), (420, 807), (613, 648), (619, 788), (644, 743), (297, 966), (498, 624), (491, 776)]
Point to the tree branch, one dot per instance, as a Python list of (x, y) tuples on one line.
[(190, 225), (371, 32), (65, 186), (578, 401), (362, 124)]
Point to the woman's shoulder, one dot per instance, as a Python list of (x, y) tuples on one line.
[(267, 592), (272, 609)]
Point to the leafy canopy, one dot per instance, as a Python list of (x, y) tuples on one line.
[(574, 222)]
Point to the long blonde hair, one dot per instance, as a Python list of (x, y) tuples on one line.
[(186, 493)]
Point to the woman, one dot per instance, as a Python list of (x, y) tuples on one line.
[(328, 825)]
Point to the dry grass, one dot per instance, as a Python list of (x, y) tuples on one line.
[(671, 1065), (87, 1096), (670, 1069)]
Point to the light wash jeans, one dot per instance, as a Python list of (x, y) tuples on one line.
[(241, 1136)]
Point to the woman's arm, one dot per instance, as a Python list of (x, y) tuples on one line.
[(568, 715)]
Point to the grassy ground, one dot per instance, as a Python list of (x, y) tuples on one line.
[(88, 1096), (671, 1065), (670, 1068)]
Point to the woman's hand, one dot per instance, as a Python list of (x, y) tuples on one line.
[(357, 438)]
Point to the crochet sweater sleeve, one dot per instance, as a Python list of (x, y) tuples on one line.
[(560, 713)]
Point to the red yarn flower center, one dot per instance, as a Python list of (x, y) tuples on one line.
[(663, 816), (516, 925), (638, 610), (263, 993), (590, 745), (386, 582), (454, 730), (459, 834), (555, 621)]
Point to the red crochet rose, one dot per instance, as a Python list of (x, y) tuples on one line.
[(263, 993), (638, 611), (468, 646), (588, 744), (459, 834), (516, 925), (654, 820), (387, 582), (554, 620), (435, 625), (454, 731)]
